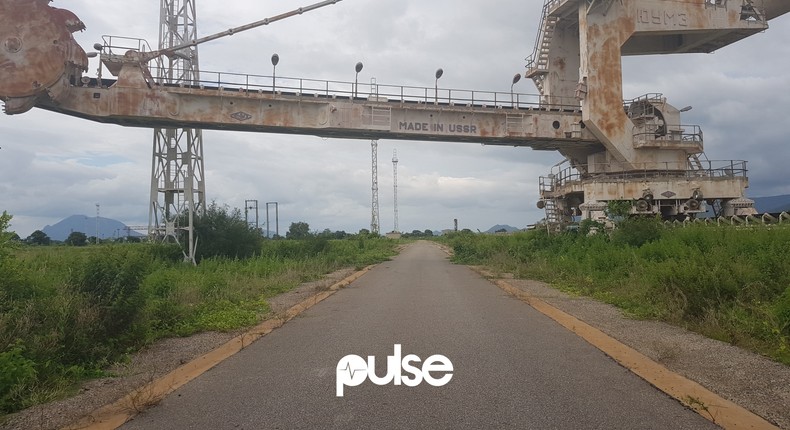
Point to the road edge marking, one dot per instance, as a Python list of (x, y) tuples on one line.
[(116, 414), (691, 394)]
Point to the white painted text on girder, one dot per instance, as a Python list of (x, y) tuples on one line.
[(437, 128)]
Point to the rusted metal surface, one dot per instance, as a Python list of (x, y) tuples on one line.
[(602, 73), (606, 30), (133, 101), (38, 55), (651, 195), (577, 59)]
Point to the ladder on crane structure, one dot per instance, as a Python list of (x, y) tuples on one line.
[(694, 162), (554, 216), (538, 62)]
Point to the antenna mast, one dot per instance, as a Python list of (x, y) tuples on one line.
[(395, 185), (374, 217)]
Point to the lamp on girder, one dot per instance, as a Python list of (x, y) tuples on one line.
[(98, 47), (357, 68), (275, 62), (439, 73), (516, 78)]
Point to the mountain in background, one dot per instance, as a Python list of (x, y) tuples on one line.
[(772, 204), (108, 228), (498, 227)]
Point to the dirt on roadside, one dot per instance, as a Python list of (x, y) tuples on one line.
[(747, 379), (149, 364)]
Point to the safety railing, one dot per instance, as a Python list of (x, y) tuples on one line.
[(643, 105), (559, 177), (645, 134), (548, 7), (377, 92), (117, 46), (565, 176), (649, 97)]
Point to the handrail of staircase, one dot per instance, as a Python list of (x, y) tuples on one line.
[(541, 30)]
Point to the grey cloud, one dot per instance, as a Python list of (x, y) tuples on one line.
[(52, 166)]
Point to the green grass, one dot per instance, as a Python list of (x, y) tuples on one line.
[(731, 284), (68, 312)]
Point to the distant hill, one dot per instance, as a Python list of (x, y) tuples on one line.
[(498, 227), (772, 204), (108, 228)]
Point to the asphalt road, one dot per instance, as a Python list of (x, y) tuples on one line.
[(512, 366)]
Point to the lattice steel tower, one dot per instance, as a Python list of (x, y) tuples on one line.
[(178, 190), (395, 185), (374, 218)]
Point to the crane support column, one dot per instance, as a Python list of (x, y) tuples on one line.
[(178, 191), (648, 157), (609, 29)]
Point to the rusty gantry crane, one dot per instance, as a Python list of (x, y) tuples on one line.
[(635, 150)]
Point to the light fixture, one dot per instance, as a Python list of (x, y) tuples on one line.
[(275, 62), (439, 73), (357, 68), (516, 78)]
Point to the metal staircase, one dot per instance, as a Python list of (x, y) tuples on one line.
[(694, 162), (553, 215), (538, 62)]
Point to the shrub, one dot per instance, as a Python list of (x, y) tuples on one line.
[(14, 285), (16, 373), (222, 232), (782, 312), (110, 284), (77, 309), (638, 231)]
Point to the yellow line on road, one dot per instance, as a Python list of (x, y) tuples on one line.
[(705, 402), (116, 414)]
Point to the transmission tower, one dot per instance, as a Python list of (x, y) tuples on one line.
[(178, 190), (395, 185), (374, 218)]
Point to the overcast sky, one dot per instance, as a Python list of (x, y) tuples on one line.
[(53, 166)]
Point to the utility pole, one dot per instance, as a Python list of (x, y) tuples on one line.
[(276, 219), (97, 223), (374, 217), (395, 185)]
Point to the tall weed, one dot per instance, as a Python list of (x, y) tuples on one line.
[(728, 283), (66, 312)]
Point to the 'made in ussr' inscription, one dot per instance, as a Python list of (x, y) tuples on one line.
[(437, 128)]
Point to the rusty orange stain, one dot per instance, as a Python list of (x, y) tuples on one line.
[(37, 52)]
